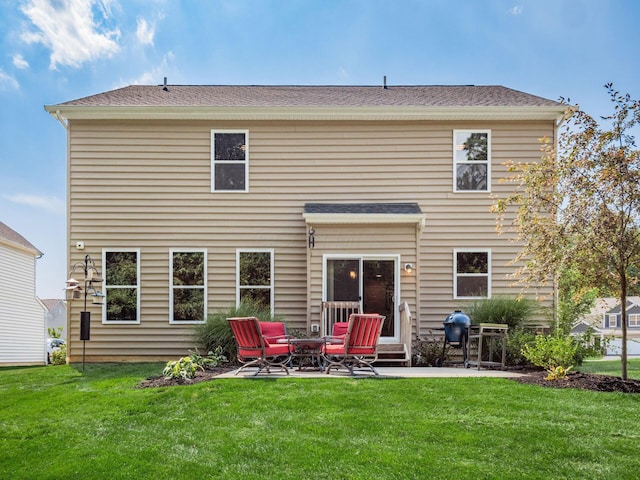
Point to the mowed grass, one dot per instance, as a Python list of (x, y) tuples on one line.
[(60, 422)]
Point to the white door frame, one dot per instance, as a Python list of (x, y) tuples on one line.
[(396, 283)]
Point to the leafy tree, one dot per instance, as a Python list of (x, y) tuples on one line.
[(578, 208)]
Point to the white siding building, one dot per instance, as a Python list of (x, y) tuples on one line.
[(22, 319)]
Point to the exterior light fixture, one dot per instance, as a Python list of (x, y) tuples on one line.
[(408, 267), (312, 240)]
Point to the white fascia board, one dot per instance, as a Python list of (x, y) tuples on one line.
[(361, 218), (374, 113)]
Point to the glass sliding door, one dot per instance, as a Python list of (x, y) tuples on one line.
[(372, 281)]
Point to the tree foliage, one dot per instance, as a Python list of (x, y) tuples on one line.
[(578, 208)]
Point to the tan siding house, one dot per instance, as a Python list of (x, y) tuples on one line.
[(294, 195)]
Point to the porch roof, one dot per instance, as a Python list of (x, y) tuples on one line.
[(331, 213)]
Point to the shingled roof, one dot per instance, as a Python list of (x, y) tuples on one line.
[(11, 237), (312, 96)]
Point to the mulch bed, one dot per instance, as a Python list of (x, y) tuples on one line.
[(583, 381), (201, 376)]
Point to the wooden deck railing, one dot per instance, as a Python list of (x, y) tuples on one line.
[(333, 312)]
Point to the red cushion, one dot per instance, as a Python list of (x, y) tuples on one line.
[(283, 349), (340, 329), (272, 329), (330, 349)]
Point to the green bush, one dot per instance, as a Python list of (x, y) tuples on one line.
[(554, 353), (502, 309), (216, 332), (214, 358), (426, 351), (59, 355), (517, 339), (184, 368)]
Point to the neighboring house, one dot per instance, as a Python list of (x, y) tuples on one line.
[(55, 314), (22, 327), (606, 319), (190, 198)]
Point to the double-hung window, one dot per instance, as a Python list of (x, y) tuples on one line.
[(122, 286), (472, 160), (634, 320), (472, 273), (229, 160), (254, 273), (612, 321), (188, 290)]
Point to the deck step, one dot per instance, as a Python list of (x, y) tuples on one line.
[(393, 352)]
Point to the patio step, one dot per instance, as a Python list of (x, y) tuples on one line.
[(393, 353)]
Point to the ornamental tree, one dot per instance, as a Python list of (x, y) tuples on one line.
[(578, 208)]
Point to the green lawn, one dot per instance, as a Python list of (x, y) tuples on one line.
[(58, 422)]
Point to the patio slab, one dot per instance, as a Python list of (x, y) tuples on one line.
[(385, 372)]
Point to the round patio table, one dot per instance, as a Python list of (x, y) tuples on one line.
[(307, 352)]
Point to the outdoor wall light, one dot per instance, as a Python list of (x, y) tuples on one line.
[(408, 267), (312, 240)]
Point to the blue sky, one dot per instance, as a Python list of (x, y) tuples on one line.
[(58, 50)]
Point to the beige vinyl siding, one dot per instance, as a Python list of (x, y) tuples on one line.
[(146, 185)]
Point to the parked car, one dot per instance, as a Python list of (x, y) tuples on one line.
[(53, 344)]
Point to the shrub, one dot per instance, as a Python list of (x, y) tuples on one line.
[(502, 309), (427, 351), (216, 332), (184, 368), (59, 355), (555, 353), (517, 339), (214, 358)]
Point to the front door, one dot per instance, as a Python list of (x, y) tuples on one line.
[(370, 281)]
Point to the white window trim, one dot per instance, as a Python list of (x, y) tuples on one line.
[(172, 287), (455, 162), (636, 318), (455, 271), (137, 287), (271, 275), (246, 161), (611, 318)]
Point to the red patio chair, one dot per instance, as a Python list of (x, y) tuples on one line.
[(360, 347), (254, 349)]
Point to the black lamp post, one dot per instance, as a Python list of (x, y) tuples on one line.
[(91, 277)]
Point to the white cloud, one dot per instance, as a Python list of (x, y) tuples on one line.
[(19, 62), (50, 204), (516, 10), (154, 76), (7, 81), (145, 32), (69, 30)]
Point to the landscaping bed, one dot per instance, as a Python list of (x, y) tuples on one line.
[(583, 381)]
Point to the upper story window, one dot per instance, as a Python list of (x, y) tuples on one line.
[(472, 273), (255, 276), (611, 321), (122, 286), (634, 320), (188, 290), (472, 160), (229, 160)]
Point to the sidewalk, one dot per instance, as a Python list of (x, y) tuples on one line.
[(385, 372)]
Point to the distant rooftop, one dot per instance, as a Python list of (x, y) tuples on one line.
[(8, 235)]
